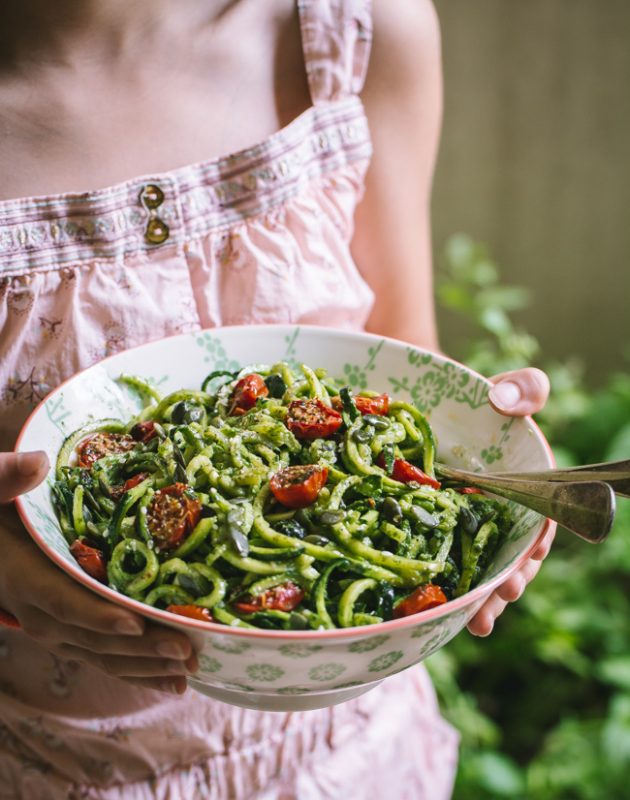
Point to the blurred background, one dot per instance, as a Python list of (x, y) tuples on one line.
[(535, 160), (531, 220)]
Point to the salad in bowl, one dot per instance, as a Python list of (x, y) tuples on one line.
[(272, 492)]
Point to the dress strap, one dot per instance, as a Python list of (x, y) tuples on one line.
[(336, 40)]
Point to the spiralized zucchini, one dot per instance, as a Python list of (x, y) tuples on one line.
[(276, 500)]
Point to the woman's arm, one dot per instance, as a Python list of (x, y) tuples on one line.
[(403, 101), (392, 244)]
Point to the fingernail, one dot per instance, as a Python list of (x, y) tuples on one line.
[(30, 463), (128, 627), (505, 395), (169, 649)]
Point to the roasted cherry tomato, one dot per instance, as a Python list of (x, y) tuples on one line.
[(298, 487), (285, 597), (144, 431), (246, 392), (171, 515), (134, 481), (312, 419), (469, 490), (192, 611), (379, 405), (424, 597), (405, 472), (102, 444), (91, 560)]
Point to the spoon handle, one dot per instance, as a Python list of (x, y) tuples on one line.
[(587, 508), (614, 473)]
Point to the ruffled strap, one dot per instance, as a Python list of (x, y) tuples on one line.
[(336, 40)]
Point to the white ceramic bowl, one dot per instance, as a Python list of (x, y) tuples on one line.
[(294, 670)]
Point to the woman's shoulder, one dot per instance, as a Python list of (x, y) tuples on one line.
[(406, 44)]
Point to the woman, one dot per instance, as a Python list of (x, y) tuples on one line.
[(95, 259)]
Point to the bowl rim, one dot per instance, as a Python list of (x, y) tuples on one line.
[(174, 620)]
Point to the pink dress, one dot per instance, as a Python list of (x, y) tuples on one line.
[(259, 236)]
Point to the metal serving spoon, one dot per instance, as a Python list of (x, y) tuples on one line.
[(581, 499), (615, 473)]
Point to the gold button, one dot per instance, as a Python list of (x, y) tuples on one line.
[(156, 232), (151, 196)]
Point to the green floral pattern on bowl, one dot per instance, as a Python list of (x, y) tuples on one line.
[(264, 673), (365, 645), (298, 650), (269, 669), (385, 661), (209, 664), (326, 672)]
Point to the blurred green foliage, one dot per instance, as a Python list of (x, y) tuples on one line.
[(543, 705)]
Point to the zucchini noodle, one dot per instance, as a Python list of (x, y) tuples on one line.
[(272, 498)]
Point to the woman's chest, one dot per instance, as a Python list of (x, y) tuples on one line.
[(79, 130)]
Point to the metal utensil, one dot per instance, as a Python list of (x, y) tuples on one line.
[(584, 506), (615, 473)]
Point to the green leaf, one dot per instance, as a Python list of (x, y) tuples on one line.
[(616, 732), (616, 671), (619, 447), (484, 272), (564, 457), (508, 298), (496, 321), (456, 298), (461, 250), (498, 774)]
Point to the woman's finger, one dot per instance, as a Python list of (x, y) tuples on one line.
[(542, 551), (483, 621), (20, 472), (175, 685), (35, 581), (165, 682), (126, 666), (520, 392), (71, 604), (514, 587), (156, 642)]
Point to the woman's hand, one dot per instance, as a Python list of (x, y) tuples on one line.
[(514, 394), (66, 618)]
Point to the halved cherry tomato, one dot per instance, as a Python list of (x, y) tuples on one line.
[(312, 419), (134, 481), (405, 472), (144, 431), (171, 515), (91, 560), (423, 598), (469, 490), (246, 392), (102, 444), (298, 487), (379, 405), (192, 611), (285, 597)]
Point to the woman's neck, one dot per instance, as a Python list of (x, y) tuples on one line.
[(67, 32)]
